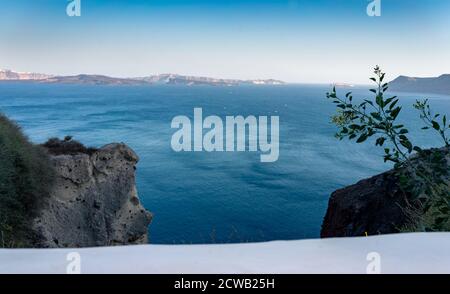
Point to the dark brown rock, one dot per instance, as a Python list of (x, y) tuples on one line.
[(372, 205), (376, 205)]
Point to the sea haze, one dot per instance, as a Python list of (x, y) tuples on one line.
[(216, 197)]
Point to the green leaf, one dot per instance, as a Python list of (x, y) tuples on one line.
[(407, 145), (436, 126), (380, 141), (393, 104), (362, 138), (376, 115), (395, 112), (389, 100), (379, 100)]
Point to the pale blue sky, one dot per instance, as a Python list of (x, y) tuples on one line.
[(319, 41)]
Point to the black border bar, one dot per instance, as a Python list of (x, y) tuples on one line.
[(150, 283)]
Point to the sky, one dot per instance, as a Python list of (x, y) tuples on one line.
[(318, 41)]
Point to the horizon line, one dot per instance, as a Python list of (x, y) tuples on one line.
[(339, 83)]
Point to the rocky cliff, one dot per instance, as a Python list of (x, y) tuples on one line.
[(93, 201), (373, 206)]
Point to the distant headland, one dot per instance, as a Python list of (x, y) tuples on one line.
[(169, 79), (436, 85)]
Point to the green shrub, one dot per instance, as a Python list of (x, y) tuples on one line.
[(68, 146), (424, 174), (25, 179)]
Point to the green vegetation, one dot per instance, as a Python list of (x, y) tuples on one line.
[(423, 174), (25, 179), (67, 146)]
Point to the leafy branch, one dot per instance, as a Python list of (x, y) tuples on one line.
[(430, 120), (374, 118), (425, 176)]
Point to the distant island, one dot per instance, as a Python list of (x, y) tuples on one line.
[(437, 85), (168, 79), (342, 85)]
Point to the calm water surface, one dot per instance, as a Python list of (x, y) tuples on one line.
[(215, 197)]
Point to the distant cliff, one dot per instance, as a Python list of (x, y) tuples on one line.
[(93, 201), (8, 75), (92, 80), (172, 79), (167, 79), (438, 85)]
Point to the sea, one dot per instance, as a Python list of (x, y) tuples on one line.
[(218, 197)]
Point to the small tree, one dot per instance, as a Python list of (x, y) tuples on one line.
[(422, 175)]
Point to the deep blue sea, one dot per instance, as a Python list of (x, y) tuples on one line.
[(216, 197)]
